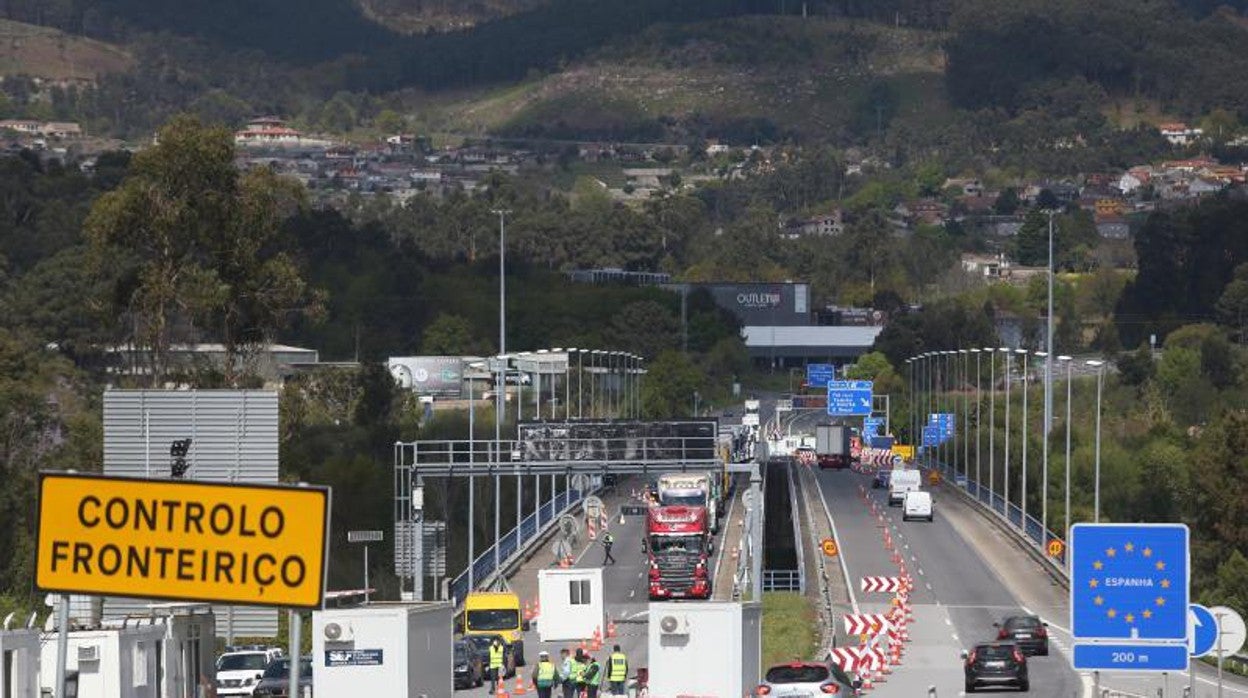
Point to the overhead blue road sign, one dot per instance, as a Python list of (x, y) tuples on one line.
[(931, 436), (820, 374), (849, 398), (1128, 657), (871, 427), (1203, 630), (1129, 582)]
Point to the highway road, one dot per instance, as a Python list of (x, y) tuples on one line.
[(956, 599)]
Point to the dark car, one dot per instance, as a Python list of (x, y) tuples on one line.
[(805, 679), (482, 645), (276, 679), (1028, 632), (470, 665), (996, 664), (881, 479)]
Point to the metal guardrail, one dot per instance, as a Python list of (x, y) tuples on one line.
[(1034, 533), (797, 531), (510, 544), (782, 580)]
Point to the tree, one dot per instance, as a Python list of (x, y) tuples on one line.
[(196, 244), (389, 121), (1233, 304), (1031, 245), (1007, 202), (1137, 367), (449, 335), (669, 387)]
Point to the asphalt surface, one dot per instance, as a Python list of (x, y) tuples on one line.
[(957, 595)]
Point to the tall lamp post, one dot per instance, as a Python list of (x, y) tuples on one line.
[(992, 426), (978, 470), (1066, 508), (1022, 521), (1044, 470), (1005, 490), (1096, 469), (966, 413)]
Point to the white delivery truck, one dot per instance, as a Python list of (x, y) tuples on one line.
[(901, 482)]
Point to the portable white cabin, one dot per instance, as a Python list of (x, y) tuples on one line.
[(571, 603), (19, 672), (384, 650)]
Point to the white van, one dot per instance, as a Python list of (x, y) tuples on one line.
[(918, 505), (901, 482)]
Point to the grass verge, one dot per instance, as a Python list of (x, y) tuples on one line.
[(789, 627)]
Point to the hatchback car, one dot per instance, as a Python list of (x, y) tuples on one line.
[(1028, 632), (276, 680), (469, 665), (807, 679), (995, 664)]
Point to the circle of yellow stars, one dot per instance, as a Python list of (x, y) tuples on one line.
[(1113, 612)]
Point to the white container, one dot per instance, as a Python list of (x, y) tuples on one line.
[(20, 673), (111, 662), (571, 604), (704, 648), (383, 650)]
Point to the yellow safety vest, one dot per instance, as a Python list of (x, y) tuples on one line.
[(545, 674), (619, 667), (496, 656), (578, 670)]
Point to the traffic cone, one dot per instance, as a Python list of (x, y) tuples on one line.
[(520, 690), (501, 688), (611, 629), (528, 611), (537, 608)]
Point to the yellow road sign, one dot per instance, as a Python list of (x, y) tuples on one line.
[(904, 450), (1056, 547), (186, 541), (829, 547), (933, 477)]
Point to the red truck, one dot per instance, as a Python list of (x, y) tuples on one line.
[(678, 547)]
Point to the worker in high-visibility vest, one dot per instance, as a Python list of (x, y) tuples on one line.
[(496, 664), (572, 681), (544, 675), (617, 672)]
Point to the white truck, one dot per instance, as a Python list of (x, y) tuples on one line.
[(900, 482), (691, 490)]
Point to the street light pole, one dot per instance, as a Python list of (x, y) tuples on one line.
[(992, 426), (966, 413), (1006, 476), (1044, 472), (979, 482), (500, 397), (1022, 521), (1096, 471), (1066, 508)]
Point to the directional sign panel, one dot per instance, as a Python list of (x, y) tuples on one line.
[(1202, 637), (1128, 657), (931, 436), (849, 398), (1129, 582), (819, 375), (871, 427)]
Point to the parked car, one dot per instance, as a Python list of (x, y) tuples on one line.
[(803, 679), (1028, 632), (276, 680), (469, 665), (482, 645), (995, 664), (239, 669)]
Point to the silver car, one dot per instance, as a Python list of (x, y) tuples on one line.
[(807, 680)]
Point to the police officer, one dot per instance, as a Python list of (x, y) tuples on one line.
[(608, 540), (591, 677), (496, 664), (617, 671), (544, 675), (566, 677)]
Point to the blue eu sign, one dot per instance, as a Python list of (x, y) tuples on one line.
[(1129, 582), (849, 398)]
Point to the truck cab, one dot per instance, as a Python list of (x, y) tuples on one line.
[(691, 490), (496, 613), (678, 550)]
